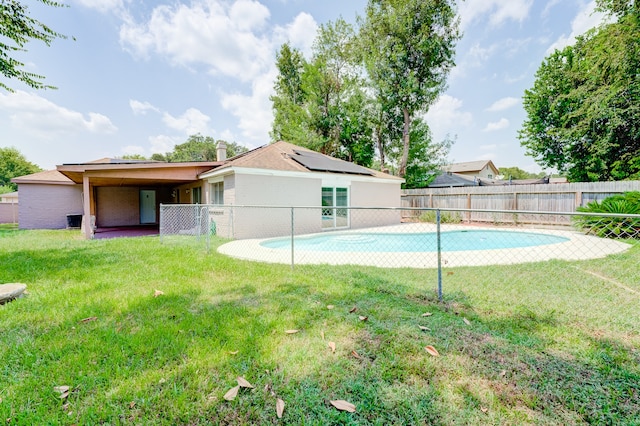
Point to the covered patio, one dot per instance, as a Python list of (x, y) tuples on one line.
[(121, 197)]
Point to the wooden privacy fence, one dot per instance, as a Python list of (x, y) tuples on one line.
[(8, 212), (526, 199)]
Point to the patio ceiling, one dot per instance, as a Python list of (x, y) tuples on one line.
[(137, 174)]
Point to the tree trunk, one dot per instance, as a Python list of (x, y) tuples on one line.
[(402, 170), (380, 143)]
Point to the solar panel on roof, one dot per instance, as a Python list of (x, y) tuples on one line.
[(322, 163)]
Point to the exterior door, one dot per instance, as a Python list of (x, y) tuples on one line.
[(334, 218), (147, 206)]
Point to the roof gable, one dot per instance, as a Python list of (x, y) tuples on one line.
[(47, 176), (471, 166)]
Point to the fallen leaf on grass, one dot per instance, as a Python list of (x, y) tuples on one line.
[(352, 310), (322, 334), (503, 373), (466, 321), (279, 408), (291, 331), (158, 293), (243, 383), (132, 405), (344, 405), (233, 352), (427, 314), (330, 306), (89, 319), (484, 409), (449, 273), (231, 393), (62, 390), (363, 318), (431, 350), (356, 355), (332, 346), (423, 328)]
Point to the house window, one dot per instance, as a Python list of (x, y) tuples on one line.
[(217, 193), (333, 217), (196, 195)]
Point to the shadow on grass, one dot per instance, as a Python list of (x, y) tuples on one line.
[(170, 359)]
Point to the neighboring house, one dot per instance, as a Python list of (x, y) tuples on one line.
[(452, 180), (482, 169), (286, 175), (9, 197), (115, 193)]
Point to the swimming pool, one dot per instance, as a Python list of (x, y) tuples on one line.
[(461, 240), (356, 247)]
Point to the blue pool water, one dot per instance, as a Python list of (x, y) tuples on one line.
[(415, 242)]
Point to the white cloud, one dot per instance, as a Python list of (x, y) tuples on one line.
[(446, 117), (141, 108), (162, 144), (38, 116), (503, 123), (253, 111), (586, 19), (192, 121), (498, 11), (503, 104), (300, 33), (222, 37)]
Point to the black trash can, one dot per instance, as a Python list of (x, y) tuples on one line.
[(74, 221)]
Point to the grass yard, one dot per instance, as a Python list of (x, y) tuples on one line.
[(151, 334)]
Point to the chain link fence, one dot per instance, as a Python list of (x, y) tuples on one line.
[(434, 238)]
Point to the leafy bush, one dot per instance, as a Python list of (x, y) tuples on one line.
[(445, 217), (612, 227)]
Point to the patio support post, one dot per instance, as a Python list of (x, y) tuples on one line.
[(86, 207)]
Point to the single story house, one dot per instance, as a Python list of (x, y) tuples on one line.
[(286, 175), (111, 192), (481, 169), (116, 192)]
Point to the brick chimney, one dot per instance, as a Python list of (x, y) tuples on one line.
[(221, 151)]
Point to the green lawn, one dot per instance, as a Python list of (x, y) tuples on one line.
[(545, 343)]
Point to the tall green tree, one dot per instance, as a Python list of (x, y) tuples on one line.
[(321, 103), (583, 112), (409, 48), (426, 157), (198, 148), (17, 28), (14, 164), (518, 173)]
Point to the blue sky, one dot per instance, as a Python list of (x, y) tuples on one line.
[(141, 77)]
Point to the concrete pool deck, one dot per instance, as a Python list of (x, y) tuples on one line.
[(577, 247)]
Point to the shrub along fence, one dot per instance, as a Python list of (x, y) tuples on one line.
[(482, 203)]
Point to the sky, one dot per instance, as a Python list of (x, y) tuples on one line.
[(137, 77)]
